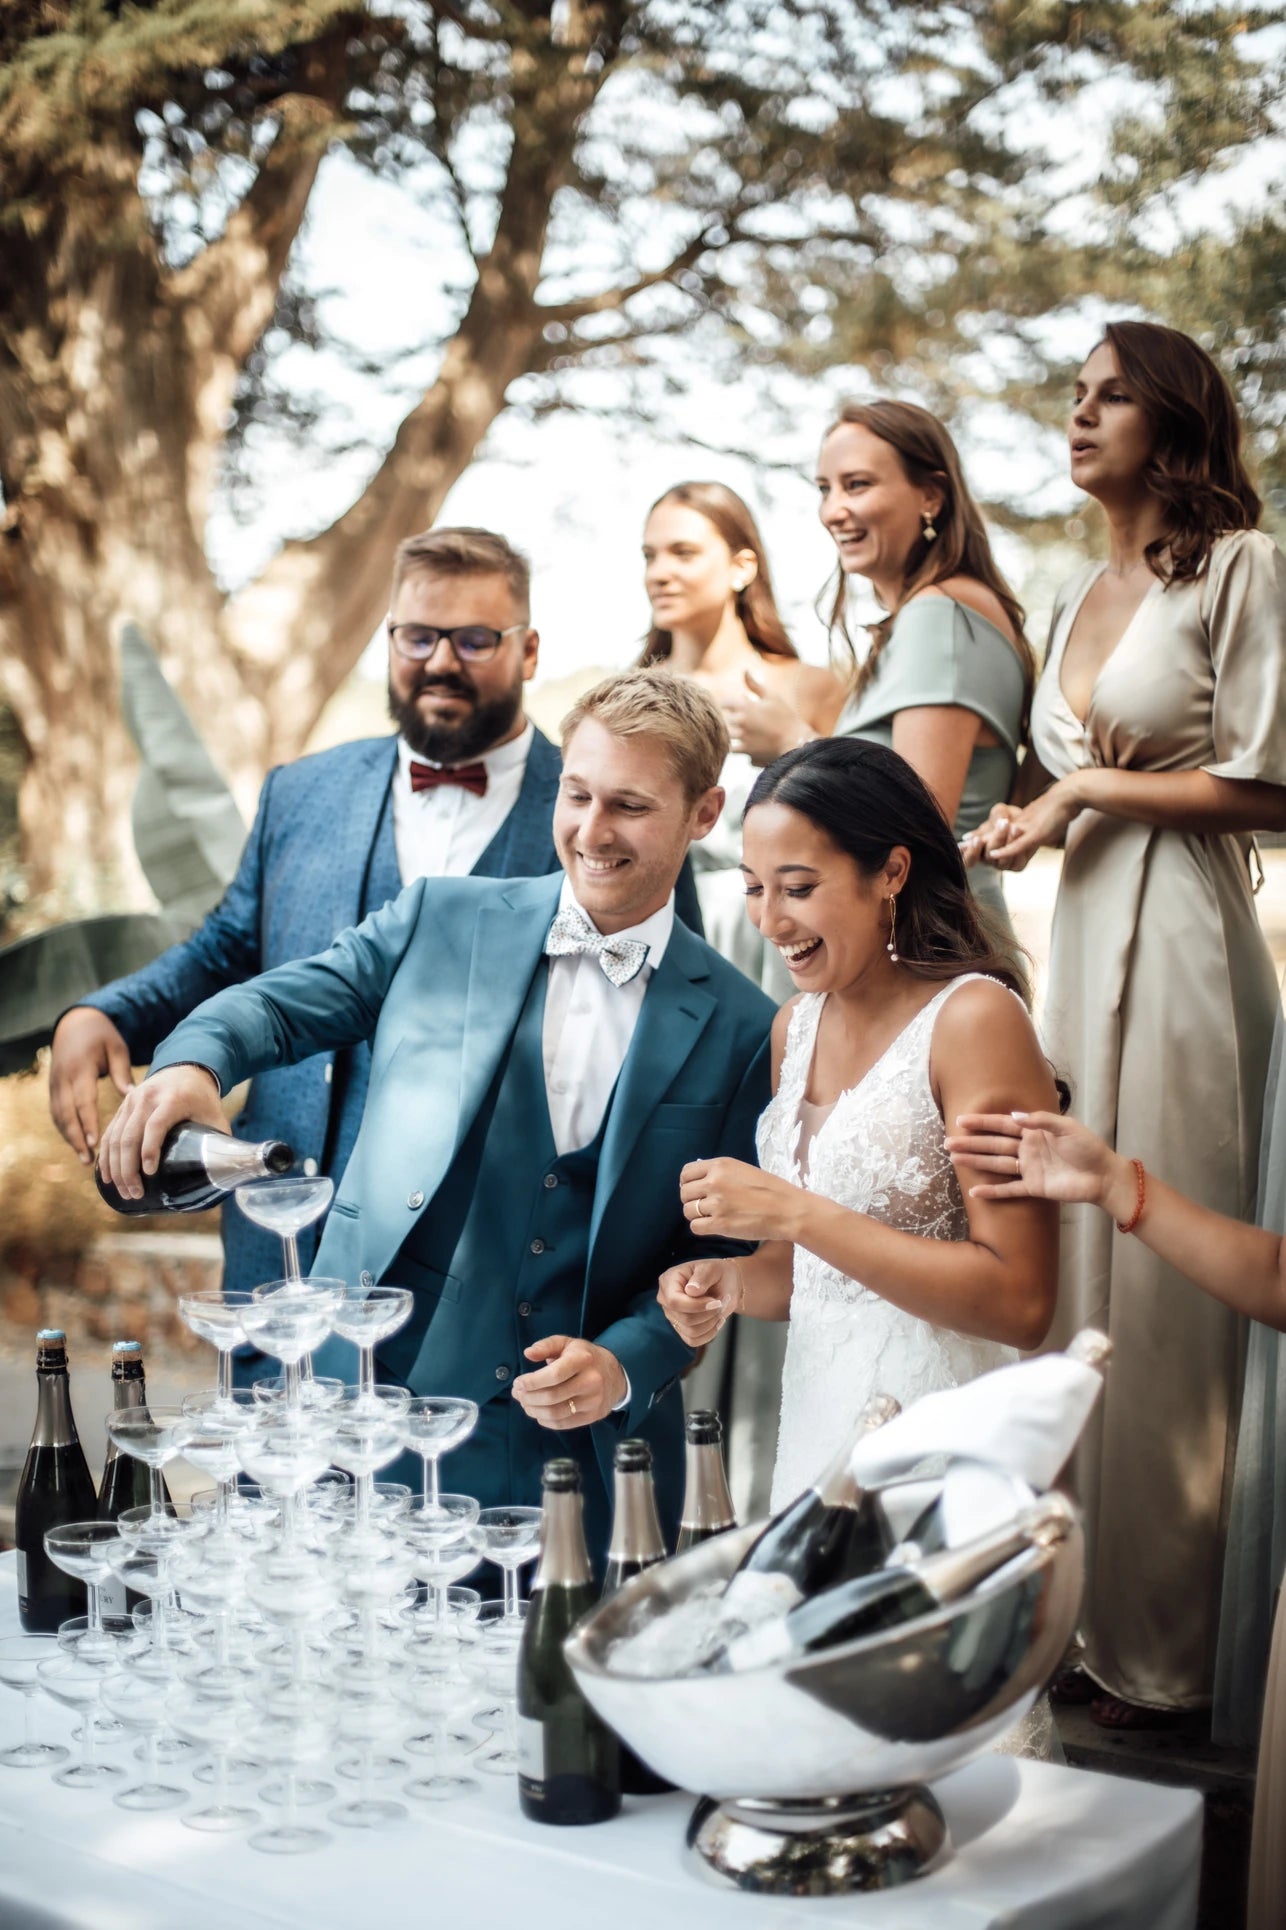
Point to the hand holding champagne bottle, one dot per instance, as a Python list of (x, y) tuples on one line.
[(196, 1170), (132, 1141)]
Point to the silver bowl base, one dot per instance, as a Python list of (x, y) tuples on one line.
[(826, 1846)]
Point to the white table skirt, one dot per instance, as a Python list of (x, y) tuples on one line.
[(1035, 1848)]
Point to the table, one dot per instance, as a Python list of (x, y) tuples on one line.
[(1036, 1848)]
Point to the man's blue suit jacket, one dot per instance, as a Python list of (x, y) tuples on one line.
[(319, 852), (439, 977)]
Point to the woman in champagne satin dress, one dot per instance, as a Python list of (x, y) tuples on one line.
[(1160, 729)]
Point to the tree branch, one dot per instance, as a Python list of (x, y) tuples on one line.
[(229, 291)]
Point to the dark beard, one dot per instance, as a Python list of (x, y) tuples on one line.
[(486, 725)]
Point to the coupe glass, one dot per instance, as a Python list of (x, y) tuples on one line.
[(284, 1453), (287, 1319), (20, 1659), (146, 1569), (367, 1719), (433, 1425), (214, 1723), (140, 1703), (439, 1688), (80, 1549), (209, 1441), (293, 1588), (367, 1315), (512, 1538), (78, 1683), (490, 1663), (292, 1742), (216, 1317), (149, 1434), (445, 1547), (366, 1434), (285, 1207)]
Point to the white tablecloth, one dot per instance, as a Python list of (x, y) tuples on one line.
[(1035, 1848)]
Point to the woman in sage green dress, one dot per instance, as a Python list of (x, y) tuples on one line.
[(948, 674)]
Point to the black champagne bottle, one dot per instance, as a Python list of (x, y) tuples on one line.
[(910, 1586), (636, 1544), (55, 1487), (833, 1530), (569, 1768), (125, 1478), (198, 1168), (707, 1504)]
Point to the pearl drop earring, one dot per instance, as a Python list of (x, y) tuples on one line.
[(892, 947)]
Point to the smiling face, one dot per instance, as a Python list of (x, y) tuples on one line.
[(690, 574), (446, 710), (1109, 436), (804, 895), (872, 511), (623, 823)]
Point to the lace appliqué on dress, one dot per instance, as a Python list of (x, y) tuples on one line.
[(881, 1153)]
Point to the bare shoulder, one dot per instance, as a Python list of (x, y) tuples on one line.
[(984, 1012), (986, 1051), (974, 595)]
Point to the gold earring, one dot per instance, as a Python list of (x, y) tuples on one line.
[(892, 947), (928, 531)]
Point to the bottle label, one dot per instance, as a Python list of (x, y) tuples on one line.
[(22, 1578), (530, 1742), (111, 1596)]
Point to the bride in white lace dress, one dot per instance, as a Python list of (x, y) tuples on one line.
[(891, 1277)]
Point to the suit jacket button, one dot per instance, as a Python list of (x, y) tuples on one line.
[(415, 1200), (524, 1309), (538, 1246), (368, 1279), (502, 1373), (551, 1180)]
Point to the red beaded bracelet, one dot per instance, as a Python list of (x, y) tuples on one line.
[(1128, 1226)]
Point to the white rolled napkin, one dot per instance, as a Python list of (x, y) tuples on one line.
[(1026, 1418)]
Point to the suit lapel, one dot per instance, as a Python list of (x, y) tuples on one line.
[(508, 943), (364, 833), (675, 1013)]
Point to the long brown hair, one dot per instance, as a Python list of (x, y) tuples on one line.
[(724, 510), (867, 799), (1195, 468), (960, 548)]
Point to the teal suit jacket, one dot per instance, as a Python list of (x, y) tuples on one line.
[(437, 981)]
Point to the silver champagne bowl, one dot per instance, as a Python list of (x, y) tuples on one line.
[(839, 1743)]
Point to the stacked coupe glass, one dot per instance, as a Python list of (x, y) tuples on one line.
[(303, 1658)]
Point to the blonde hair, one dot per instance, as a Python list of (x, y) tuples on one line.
[(654, 703)]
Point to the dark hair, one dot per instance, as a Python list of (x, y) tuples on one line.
[(756, 604), (960, 546), (867, 799), (464, 552), (1195, 468)]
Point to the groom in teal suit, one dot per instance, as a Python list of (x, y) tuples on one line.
[(547, 1054)]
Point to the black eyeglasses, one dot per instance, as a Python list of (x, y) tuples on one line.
[(471, 642)]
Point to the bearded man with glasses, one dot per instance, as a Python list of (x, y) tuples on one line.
[(467, 785)]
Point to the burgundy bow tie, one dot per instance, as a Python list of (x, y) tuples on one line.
[(427, 777)]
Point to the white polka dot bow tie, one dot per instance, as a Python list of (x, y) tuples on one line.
[(571, 934)]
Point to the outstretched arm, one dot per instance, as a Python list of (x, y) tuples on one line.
[(311, 1005), (1041, 1155)]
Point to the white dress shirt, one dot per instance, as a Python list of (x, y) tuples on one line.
[(443, 832), (589, 1023)]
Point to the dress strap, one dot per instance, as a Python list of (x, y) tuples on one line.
[(801, 1036)]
